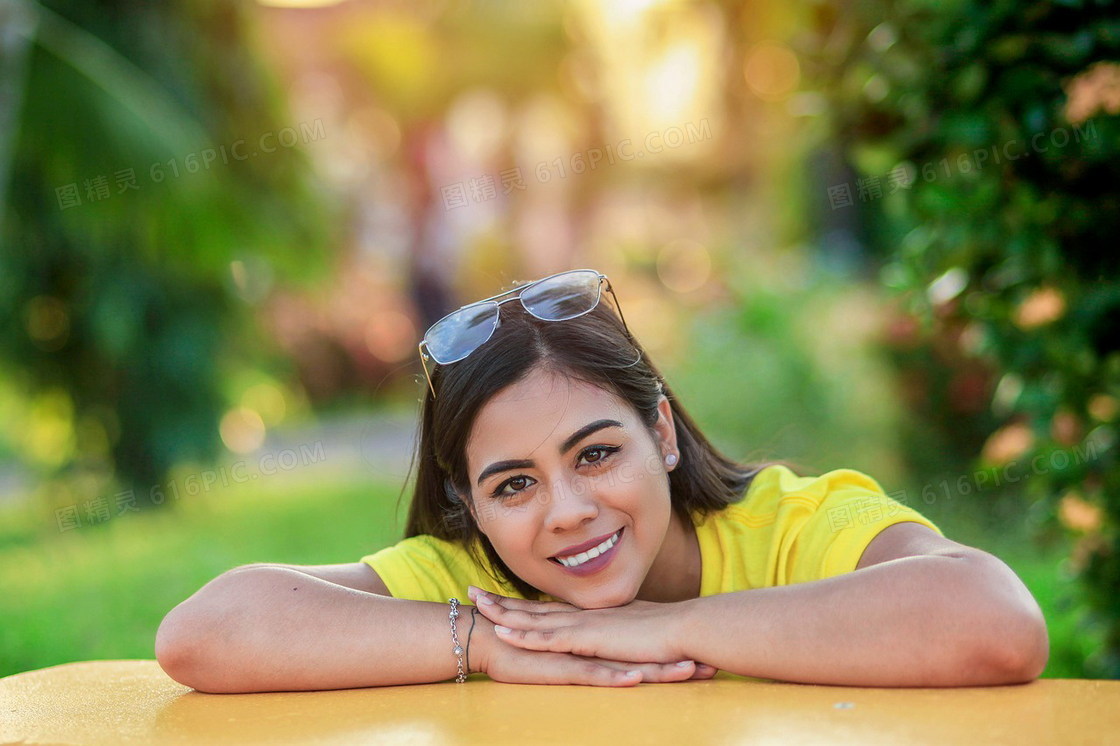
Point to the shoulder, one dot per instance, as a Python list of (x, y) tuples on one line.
[(790, 528), (778, 480), (777, 491), (428, 568)]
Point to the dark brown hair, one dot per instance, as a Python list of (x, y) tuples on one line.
[(593, 348)]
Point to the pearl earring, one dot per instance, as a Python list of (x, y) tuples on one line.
[(671, 459)]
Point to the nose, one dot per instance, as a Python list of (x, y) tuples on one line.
[(569, 505)]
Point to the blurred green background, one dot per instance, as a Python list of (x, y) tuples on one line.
[(870, 235)]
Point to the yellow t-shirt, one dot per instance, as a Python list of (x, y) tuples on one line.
[(786, 529)]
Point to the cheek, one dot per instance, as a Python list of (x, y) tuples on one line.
[(644, 476), (509, 529)]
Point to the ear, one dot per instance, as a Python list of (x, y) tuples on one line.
[(666, 431)]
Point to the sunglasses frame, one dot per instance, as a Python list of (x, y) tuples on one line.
[(425, 350)]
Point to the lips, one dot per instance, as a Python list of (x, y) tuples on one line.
[(577, 548), (593, 565)]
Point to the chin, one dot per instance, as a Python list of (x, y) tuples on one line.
[(605, 601)]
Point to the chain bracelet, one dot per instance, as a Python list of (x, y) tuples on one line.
[(457, 649)]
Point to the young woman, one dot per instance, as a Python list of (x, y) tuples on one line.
[(562, 487)]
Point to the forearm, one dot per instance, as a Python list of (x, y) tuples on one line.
[(277, 629), (915, 621)]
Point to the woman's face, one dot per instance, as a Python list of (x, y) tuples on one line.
[(555, 463)]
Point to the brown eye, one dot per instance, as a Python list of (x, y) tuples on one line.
[(512, 486), (597, 454)]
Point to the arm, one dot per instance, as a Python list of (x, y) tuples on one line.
[(263, 628), (920, 610), (269, 628)]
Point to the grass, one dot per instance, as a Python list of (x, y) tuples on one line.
[(99, 592)]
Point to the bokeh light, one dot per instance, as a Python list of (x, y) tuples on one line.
[(242, 430)]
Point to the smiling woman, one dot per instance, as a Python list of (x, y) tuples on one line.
[(559, 472)]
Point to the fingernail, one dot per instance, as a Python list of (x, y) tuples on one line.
[(484, 600), (684, 664), (502, 630)]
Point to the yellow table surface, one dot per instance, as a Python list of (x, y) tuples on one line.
[(133, 701)]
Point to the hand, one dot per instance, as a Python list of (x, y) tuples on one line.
[(513, 665), (638, 632)]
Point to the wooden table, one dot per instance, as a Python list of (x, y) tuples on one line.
[(133, 701)]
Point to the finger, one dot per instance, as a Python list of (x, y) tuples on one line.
[(704, 671), (664, 671), (523, 620), (549, 668), (519, 667), (496, 613), (655, 672), (593, 674), (476, 594), (554, 640)]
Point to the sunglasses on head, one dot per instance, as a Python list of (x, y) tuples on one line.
[(558, 297)]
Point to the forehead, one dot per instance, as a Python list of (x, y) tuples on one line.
[(539, 411)]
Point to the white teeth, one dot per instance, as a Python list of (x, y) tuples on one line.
[(578, 559)]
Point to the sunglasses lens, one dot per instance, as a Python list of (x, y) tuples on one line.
[(563, 297), (453, 338)]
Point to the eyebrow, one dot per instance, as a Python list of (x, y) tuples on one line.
[(577, 436)]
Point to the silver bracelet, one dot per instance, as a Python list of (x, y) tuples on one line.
[(458, 649)]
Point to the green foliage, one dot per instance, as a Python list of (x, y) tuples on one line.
[(788, 371), (1004, 115), (100, 592), (120, 306)]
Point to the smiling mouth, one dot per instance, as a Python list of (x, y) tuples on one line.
[(578, 559)]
